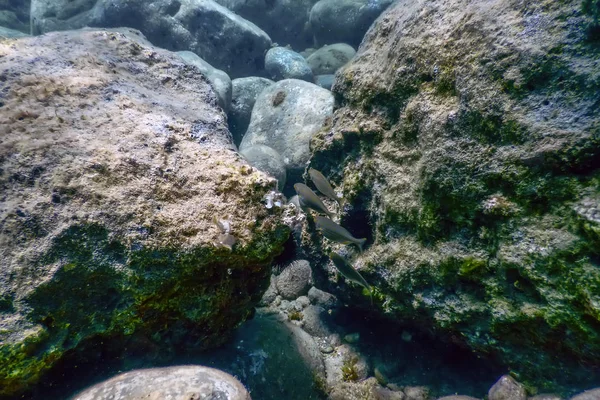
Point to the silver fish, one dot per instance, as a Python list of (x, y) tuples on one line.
[(348, 270), (323, 185), (309, 199), (225, 239), (337, 233)]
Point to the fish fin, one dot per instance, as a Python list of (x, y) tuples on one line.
[(360, 243)]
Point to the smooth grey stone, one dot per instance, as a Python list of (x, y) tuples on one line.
[(322, 298), (328, 59), (325, 81), (282, 63), (245, 92), (344, 21), (285, 117)]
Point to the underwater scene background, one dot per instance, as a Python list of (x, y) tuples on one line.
[(315, 199)]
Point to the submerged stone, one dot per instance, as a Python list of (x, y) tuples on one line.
[(469, 151), (189, 382), (114, 160)]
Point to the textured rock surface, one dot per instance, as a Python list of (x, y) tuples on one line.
[(295, 280), (593, 394), (468, 152), (345, 21), (189, 382), (507, 389), (457, 397), (282, 63), (114, 159), (284, 20), (223, 39), (328, 59), (14, 14), (219, 80), (285, 117), (245, 92), (267, 160)]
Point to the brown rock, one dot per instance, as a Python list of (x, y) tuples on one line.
[(114, 159)]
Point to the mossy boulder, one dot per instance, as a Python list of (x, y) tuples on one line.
[(114, 159), (467, 144)]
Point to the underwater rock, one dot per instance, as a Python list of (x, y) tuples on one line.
[(321, 298), (286, 21), (295, 280), (271, 292), (220, 37), (548, 397), (317, 321), (345, 365), (368, 389), (189, 382), (457, 397), (593, 394), (267, 160), (8, 33), (325, 81), (468, 150), (282, 63), (274, 358), (328, 59), (507, 389), (344, 21), (114, 159), (14, 14), (219, 80), (285, 117), (245, 92)]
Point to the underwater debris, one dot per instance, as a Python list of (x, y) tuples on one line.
[(225, 239), (337, 233), (309, 199), (274, 198), (323, 185)]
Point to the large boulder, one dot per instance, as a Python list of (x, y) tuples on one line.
[(267, 160), (468, 148), (345, 21), (181, 382), (222, 38), (244, 94), (114, 161), (286, 21), (14, 14), (285, 117)]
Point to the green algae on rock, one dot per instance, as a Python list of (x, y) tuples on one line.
[(472, 147), (114, 158)]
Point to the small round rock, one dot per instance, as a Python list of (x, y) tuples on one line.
[(295, 280), (282, 63)]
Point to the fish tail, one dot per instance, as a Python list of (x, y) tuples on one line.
[(360, 243)]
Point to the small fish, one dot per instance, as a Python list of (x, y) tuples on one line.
[(323, 185), (295, 200), (349, 272), (308, 198), (336, 233)]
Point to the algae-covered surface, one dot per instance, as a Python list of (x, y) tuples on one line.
[(469, 151), (114, 162)]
